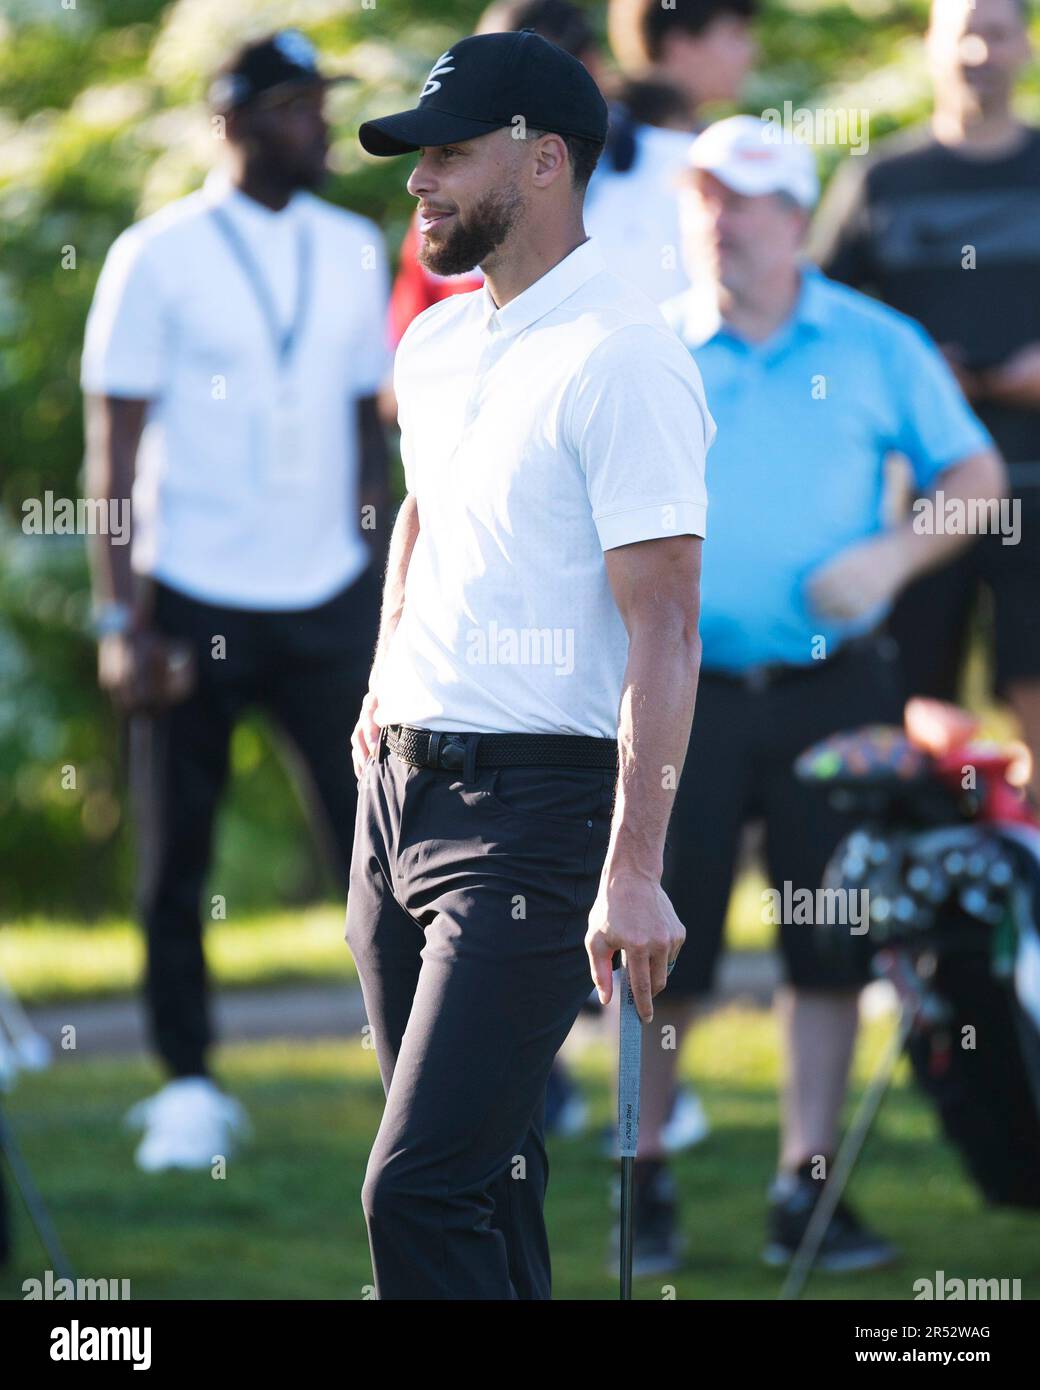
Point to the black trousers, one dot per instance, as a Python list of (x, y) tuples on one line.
[(467, 914), (739, 768), (308, 670)]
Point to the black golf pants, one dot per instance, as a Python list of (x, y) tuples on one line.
[(467, 914)]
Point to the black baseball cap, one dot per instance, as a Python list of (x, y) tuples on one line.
[(483, 83), (284, 59)]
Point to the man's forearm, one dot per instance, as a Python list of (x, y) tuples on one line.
[(922, 542), (402, 542), (113, 432), (1015, 382), (656, 716)]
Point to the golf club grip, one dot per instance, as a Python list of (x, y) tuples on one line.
[(629, 1057)]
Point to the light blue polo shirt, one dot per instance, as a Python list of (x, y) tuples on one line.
[(796, 474)]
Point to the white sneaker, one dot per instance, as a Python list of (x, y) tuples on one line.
[(572, 1118), (687, 1125), (187, 1124)]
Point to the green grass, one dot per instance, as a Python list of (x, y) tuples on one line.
[(45, 961), (286, 1221)]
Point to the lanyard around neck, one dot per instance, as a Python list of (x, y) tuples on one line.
[(283, 340)]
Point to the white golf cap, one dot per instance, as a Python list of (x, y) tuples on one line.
[(754, 157)]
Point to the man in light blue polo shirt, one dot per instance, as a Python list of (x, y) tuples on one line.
[(812, 386)]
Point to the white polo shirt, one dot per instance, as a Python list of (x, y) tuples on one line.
[(237, 501), (534, 438)]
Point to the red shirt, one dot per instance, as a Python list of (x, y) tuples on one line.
[(416, 288)]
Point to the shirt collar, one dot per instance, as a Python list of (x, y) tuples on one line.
[(813, 307), (699, 319), (218, 190), (547, 292)]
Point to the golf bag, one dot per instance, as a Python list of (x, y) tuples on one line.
[(946, 858)]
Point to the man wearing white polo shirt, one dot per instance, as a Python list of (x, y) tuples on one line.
[(535, 675), (232, 356)]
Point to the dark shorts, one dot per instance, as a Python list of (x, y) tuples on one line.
[(467, 915), (991, 585), (739, 769)]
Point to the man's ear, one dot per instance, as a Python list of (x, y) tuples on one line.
[(551, 158), (236, 126)]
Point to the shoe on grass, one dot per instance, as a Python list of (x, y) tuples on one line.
[(188, 1124), (658, 1247), (687, 1125), (566, 1109), (848, 1245)]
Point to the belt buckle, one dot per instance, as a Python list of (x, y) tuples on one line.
[(450, 752)]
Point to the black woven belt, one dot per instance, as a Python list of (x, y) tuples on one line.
[(431, 748)]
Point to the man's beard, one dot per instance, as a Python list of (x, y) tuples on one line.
[(470, 242)]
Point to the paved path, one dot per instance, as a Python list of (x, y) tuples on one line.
[(117, 1027)]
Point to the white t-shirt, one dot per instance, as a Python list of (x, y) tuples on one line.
[(635, 215), (534, 438), (246, 492)]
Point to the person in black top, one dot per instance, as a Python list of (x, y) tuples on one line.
[(944, 224)]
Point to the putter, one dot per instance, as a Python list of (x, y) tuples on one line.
[(629, 1058)]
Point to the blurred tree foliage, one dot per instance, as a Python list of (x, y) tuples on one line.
[(101, 121)]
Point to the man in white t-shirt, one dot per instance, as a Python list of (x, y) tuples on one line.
[(675, 59), (233, 352), (534, 681)]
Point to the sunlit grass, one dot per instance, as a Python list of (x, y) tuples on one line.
[(46, 960), (286, 1221)]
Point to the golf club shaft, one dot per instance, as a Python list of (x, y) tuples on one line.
[(627, 1167), (34, 1203), (630, 1050)]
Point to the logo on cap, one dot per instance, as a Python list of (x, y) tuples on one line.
[(296, 48), (445, 63)]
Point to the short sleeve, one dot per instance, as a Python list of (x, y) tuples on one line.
[(374, 358), (936, 426), (839, 241), (124, 345), (641, 429)]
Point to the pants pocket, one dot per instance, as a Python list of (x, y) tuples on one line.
[(547, 797)]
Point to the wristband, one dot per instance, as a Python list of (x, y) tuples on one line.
[(113, 618)]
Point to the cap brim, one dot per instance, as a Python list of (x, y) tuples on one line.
[(407, 131), (749, 187), (739, 180), (283, 91), (747, 184)]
